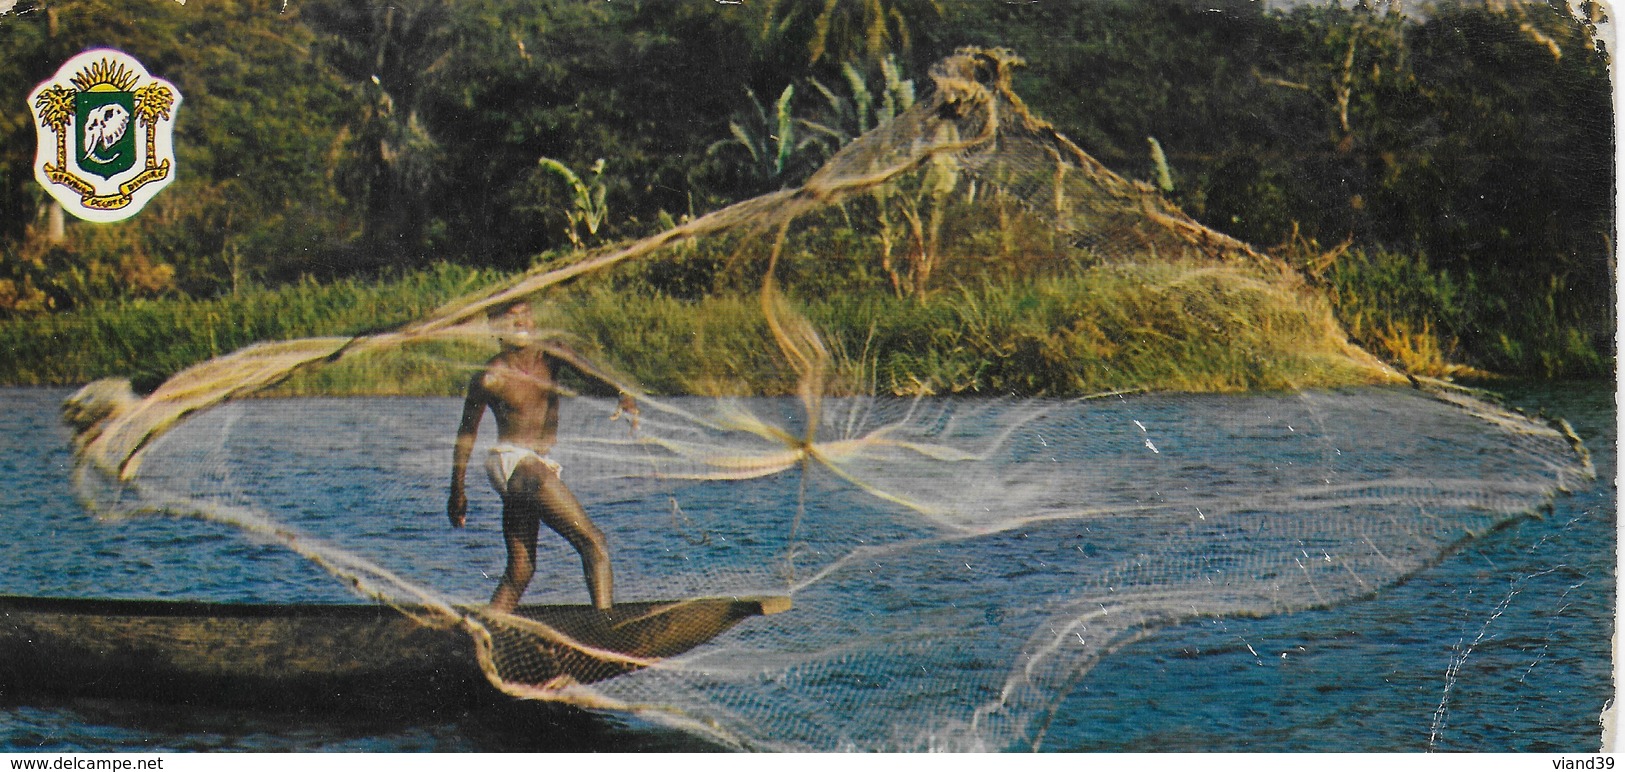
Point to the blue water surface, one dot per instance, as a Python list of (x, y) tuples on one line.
[(1504, 645)]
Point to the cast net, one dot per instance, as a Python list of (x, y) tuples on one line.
[(920, 538)]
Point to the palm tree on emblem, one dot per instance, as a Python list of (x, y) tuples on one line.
[(152, 104), (56, 110)]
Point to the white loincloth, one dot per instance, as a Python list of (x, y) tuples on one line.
[(505, 457)]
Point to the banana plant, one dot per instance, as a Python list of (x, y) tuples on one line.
[(587, 208), (846, 118), (769, 138)]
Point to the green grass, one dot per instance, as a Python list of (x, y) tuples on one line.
[(149, 340), (1182, 327), (1172, 326), (1433, 323)]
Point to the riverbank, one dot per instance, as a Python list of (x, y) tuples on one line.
[(1169, 326), (149, 340)]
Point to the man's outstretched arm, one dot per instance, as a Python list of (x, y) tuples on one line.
[(564, 353)]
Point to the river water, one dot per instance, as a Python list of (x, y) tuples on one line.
[(1502, 646)]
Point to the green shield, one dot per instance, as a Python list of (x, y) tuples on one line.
[(104, 123)]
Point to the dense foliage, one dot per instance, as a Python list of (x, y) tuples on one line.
[(1444, 174), (1152, 325)]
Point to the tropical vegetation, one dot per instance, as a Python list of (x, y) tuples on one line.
[(1441, 173)]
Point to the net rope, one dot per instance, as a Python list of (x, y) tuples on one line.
[(954, 566)]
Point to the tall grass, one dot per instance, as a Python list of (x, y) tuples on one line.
[(148, 340), (711, 346), (1171, 326), (1431, 322), (1397, 306), (1176, 326)]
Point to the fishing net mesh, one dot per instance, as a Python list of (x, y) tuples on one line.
[(911, 570)]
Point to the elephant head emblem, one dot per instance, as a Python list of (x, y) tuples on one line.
[(104, 127)]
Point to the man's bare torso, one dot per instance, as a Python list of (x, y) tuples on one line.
[(520, 388)]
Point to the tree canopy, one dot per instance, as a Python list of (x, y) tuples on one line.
[(330, 138)]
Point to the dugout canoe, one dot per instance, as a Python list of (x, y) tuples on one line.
[(303, 655)]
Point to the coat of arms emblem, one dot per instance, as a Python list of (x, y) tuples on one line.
[(105, 135)]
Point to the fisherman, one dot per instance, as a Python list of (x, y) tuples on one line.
[(519, 386)]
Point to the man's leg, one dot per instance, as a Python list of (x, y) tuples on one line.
[(521, 519), (562, 513)]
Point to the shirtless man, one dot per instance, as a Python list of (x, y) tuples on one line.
[(520, 388)]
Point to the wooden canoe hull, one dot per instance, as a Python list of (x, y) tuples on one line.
[(301, 655)]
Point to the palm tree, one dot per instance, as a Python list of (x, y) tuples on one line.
[(152, 104), (55, 106), (395, 55)]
